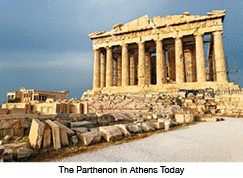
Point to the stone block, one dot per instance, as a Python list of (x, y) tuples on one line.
[(110, 133), (81, 124), (1, 151), (104, 120), (25, 123), (24, 153), (158, 125), (47, 137), (80, 130), (63, 133), (36, 133), (167, 125), (147, 126), (134, 128), (88, 138), (184, 118), (9, 124), (19, 132), (55, 134), (123, 129)]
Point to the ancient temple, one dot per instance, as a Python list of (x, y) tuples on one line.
[(160, 54)]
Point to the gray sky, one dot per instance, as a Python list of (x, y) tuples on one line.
[(44, 45)]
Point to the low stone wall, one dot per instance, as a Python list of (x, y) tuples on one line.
[(14, 127)]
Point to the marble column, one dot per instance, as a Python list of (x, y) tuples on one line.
[(148, 67), (109, 67), (180, 73), (201, 67), (161, 66), (115, 71), (96, 79), (171, 64), (103, 70), (132, 69), (119, 70), (125, 66), (219, 57), (141, 63), (188, 64)]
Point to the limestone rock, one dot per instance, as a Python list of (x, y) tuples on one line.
[(6, 138), (184, 118), (55, 134), (1, 151), (36, 133), (24, 153), (110, 133), (47, 137), (123, 129), (80, 130), (88, 138), (158, 125), (147, 126), (134, 128), (81, 124), (63, 133)]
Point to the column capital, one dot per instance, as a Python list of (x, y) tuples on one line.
[(198, 35), (124, 45), (141, 43), (217, 33), (96, 49), (158, 40), (108, 47), (178, 38)]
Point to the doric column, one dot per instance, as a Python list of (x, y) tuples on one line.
[(103, 70), (125, 65), (96, 79), (171, 63), (141, 63), (109, 67), (201, 68), (180, 75), (132, 69), (119, 71), (115, 72), (219, 57), (161, 67), (148, 67)]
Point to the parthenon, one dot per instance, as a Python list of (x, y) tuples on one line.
[(164, 53)]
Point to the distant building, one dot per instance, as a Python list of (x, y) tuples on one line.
[(43, 102), (35, 96)]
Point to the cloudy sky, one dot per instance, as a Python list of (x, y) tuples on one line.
[(44, 45)]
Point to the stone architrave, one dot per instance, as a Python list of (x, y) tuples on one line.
[(63, 133), (55, 134), (110, 133), (36, 133)]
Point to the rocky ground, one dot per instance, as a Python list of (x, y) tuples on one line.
[(203, 142)]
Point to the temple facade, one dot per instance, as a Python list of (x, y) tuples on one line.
[(163, 53)]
